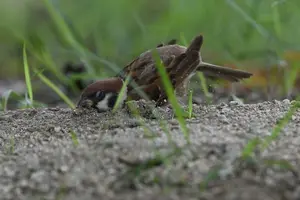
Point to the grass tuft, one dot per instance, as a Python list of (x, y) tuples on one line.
[(27, 74)]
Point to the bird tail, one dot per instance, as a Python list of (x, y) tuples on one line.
[(219, 72), (196, 44)]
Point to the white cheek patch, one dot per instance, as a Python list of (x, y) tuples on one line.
[(103, 104)]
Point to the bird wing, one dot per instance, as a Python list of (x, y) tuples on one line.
[(178, 60), (143, 69)]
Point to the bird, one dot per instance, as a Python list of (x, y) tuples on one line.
[(180, 63)]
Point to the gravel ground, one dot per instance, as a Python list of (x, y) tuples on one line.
[(113, 157)]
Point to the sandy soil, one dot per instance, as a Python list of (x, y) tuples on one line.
[(115, 158)]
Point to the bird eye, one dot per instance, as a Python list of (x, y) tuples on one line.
[(100, 95)]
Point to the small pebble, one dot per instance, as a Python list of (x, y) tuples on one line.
[(54, 109), (4, 118), (235, 103), (221, 105), (224, 119), (276, 102), (173, 122), (225, 110), (38, 176), (286, 102), (57, 129), (64, 168)]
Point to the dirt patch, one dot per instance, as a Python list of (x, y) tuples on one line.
[(113, 157)]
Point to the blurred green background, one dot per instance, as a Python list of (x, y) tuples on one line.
[(247, 34)]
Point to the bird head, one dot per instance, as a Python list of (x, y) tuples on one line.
[(102, 95)]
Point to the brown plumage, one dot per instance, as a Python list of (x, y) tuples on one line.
[(180, 62), (143, 69)]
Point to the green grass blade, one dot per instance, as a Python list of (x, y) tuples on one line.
[(283, 164), (134, 110), (213, 174), (61, 25), (10, 148), (286, 119), (250, 148), (259, 28), (291, 77), (74, 138), (66, 33), (27, 74), (204, 86), (171, 95), (5, 98), (190, 108), (10, 94), (56, 90), (183, 39), (276, 20), (121, 94)]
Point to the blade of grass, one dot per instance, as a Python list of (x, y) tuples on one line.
[(250, 148), (213, 174), (290, 77), (183, 39), (260, 29), (190, 108), (200, 74), (27, 74), (265, 142), (121, 94), (276, 131), (5, 98), (148, 132), (204, 86), (66, 33), (10, 94), (39, 50), (283, 164), (134, 110), (171, 95), (151, 134), (276, 20), (74, 138), (10, 148), (56, 90)]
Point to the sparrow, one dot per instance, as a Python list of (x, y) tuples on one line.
[(180, 63)]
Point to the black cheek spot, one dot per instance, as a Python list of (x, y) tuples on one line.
[(112, 100)]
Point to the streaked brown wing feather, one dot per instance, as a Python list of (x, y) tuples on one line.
[(143, 69)]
